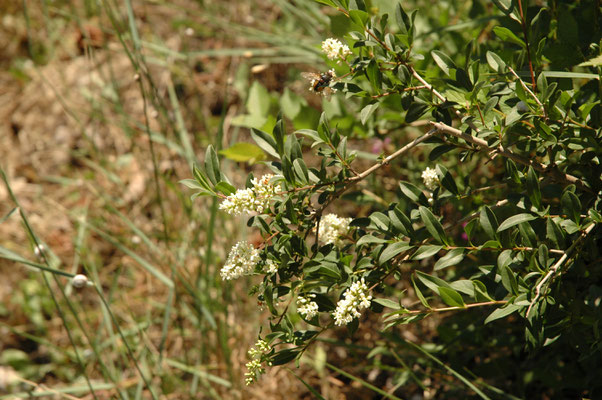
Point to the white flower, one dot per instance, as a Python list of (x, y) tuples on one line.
[(79, 281), (254, 367), (355, 299), (255, 199), (334, 49), (270, 267), (260, 348), (306, 307), (430, 178), (241, 261), (333, 228)]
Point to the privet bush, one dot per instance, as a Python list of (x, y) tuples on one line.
[(493, 223)]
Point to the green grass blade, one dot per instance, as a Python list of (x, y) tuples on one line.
[(363, 382)]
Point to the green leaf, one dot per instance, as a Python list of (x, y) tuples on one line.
[(515, 220), (374, 75), (359, 17), (265, 141), (443, 61), (242, 152), (419, 293), (380, 221), (502, 312), (595, 215), (189, 183), (447, 181), (451, 297), (451, 258), (328, 269), (464, 286), (327, 2), (592, 62), (496, 63), (426, 251), (212, 165), (512, 171), (432, 282), (432, 224), (509, 280), (569, 75), (392, 251), (387, 303), (284, 356), (367, 239), (440, 150), (554, 233), (268, 296), (401, 222), (532, 184), (310, 133), (480, 291), (545, 132), (413, 193), (402, 19), (415, 111), (491, 244), (258, 102), (367, 112), (225, 188), (301, 170), (508, 36), (291, 103), (571, 205), (488, 222), (527, 234), (279, 133)]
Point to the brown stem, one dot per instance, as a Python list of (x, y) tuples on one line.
[(557, 266), (441, 127), (523, 25), (543, 109)]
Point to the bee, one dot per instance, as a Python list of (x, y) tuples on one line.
[(320, 83)]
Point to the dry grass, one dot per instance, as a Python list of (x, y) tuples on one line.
[(74, 144)]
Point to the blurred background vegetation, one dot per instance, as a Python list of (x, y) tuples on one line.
[(104, 107)]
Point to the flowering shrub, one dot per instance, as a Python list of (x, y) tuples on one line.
[(502, 226)]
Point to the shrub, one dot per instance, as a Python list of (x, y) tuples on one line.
[(490, 226)]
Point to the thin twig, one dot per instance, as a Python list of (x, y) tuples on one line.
[(441, 127), (557, 266), (543, 109), (355, 179), (390, 158)]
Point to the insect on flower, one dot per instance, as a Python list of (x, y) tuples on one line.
[(320, 83)]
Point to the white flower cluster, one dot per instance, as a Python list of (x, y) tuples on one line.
[(255, 199), (254, 367), (335, 50), (430, 178), (306, 307), (241, 261), (355, 298), (270, 267), (333, 228)]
